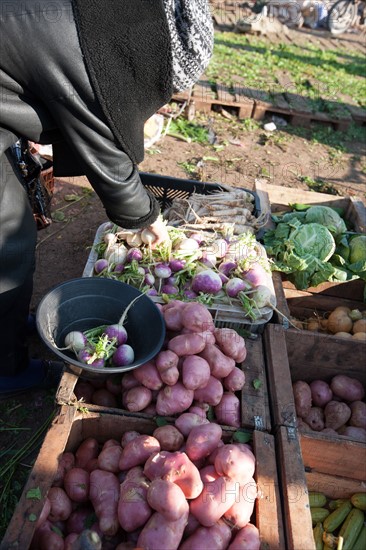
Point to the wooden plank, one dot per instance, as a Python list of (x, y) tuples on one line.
[(224, 95), (254, 402), (71, 427), (332, 486), (296, 509), (268, 504)]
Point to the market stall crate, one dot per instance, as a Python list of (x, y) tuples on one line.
[(318, 464), (254, 401), (71, 427), (275, 199)]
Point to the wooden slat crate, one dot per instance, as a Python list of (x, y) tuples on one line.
[(255, 411), (293, 355), (274, 199), (306, 463), (71, 427)]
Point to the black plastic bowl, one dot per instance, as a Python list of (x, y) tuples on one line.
[(85, 303)]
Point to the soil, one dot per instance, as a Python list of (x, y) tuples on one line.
[(237, 157)]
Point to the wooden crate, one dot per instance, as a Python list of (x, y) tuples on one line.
[(308, 463), (273, 199), (255, 412), (293, 355), (71, 427)]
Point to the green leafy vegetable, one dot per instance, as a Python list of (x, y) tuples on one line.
[(313, 239), (327, 217), (358, 249)]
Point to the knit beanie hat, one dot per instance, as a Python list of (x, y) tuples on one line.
[(192, 35)]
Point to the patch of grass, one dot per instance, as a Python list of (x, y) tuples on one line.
[(319, 185), (189, 131)]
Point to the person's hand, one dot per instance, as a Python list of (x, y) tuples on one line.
[(158, 228)]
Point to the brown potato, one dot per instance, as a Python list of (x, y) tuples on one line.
[(302, 397), (315, 419), (358, 417), (336, 414)]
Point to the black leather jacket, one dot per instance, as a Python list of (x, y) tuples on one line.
[(47, 97)]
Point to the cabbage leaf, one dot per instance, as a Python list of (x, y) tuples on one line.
[(327, 217)]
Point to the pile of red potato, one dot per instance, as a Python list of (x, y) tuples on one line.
[(164, 490), (195, 371), (335, 408)]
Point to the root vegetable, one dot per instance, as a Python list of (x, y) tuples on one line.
[(138, 398), (241, 511), (339, 321), (174, 399), (315, 419), (129, 436), (104, 398), (159, 529), (133, 509), (66, 462), (207, 282), (165, 360), (216, 537), (347, 388), (211, 394), (231, 343), (109, 458), (148, 376), (359, 326), (353, 432), (227, 412), (202, 440), (76, 484), (302, 397), (358, 417), (208, 473), (169, 437), (186, 421), (216, 498), (166, 498), (235, 380), (137, 451), (246, 539), (234, 463), (61, 505), (79, 519), (336, 414), (360, 336), (343, 335), (195, 372), (104, 496), (87, 450), (187, 344), (220, 364), (173, 319)]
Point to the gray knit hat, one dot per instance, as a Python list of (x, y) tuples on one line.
[(192, 35)]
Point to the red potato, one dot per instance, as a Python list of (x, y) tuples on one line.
[(336, 414), (208, 473), (150, 409), (110, 443), (46, 539), (216, 498), (44, 513), (137, 399), (315, 419), (76, 484), (211, 457), (175, 467), (227, 412), (197, 318), (87, 450), (358, 416), (158, 530), (329, 431), (235, 463), (113, 384), (208, 336), (168, 499), (302, 426), (129, 381), (231, 344), (187, 344), (104, 398), (235, 380), (165, 360), (241, 511), (211, 394), (302, 397), (137, 451), (133, 508), (129, 436), (195, 372), (148, 376), (347, 388), (202, 440), (246, 539), (174, 400), (220, 364), (216, 537), (65, 463), (70, 540), (169, 437), (199, 410), (173, 318), (80, 519), (191, 526), (321, 393), (186, 421), (359, 434), (170, 377), (104, 496), (61, 505), (84, 390), (109, 458)]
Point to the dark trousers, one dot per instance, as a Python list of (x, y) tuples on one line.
[(18, 236)]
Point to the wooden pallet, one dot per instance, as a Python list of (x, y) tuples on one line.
[(260, 104)]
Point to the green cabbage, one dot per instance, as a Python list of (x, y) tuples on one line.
[(326, 216), (358, 249), (315, 240)]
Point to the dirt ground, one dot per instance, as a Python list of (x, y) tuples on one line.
[(237, 157)]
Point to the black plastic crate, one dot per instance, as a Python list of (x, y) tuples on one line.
[(166, 188)]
